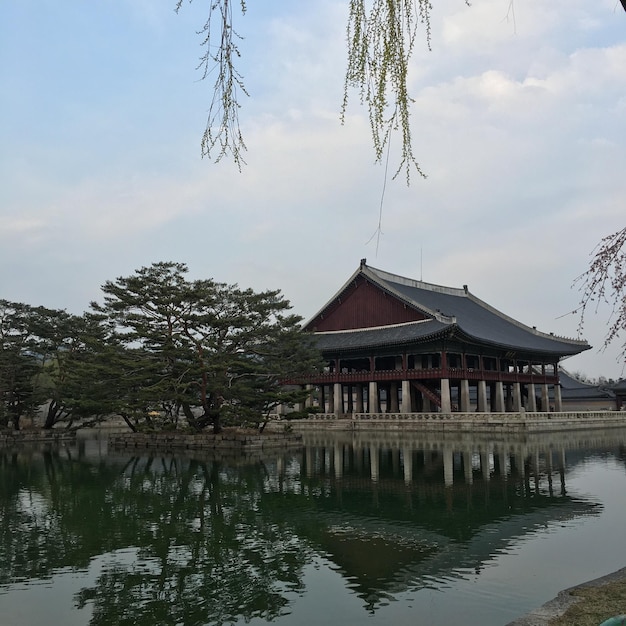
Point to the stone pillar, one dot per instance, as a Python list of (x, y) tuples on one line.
[(359, 399), (446, 404), (338, 399), (482, 397), (406, 397), (465, 396), (350, 398), (517, 397), (392, 405), (374, 405), (532, 398), (426, 404), (499, 397), (508, 398), (308, 401), (558, 402), (331, 398), (545, 398)]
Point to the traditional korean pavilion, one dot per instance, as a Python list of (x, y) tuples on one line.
[(398, 345)]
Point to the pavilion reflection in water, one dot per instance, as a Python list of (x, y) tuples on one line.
[(398, 513), (416, 457)]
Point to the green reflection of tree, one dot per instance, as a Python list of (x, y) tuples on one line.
[(211, 559), (50, 513), (183, 541)]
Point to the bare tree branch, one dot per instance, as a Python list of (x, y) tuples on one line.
[(605, 283)]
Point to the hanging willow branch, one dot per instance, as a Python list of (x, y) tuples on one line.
[(605, 283), (380, 42), (222, 134), (381, 36)]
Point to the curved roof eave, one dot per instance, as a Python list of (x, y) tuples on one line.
[(556, 350)]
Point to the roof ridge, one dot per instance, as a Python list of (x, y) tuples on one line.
[(412, 282)]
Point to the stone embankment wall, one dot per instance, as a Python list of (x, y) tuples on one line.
[(16, 437), (230, 442), (470, 422)]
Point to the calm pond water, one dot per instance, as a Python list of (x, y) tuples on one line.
[(367, 529)]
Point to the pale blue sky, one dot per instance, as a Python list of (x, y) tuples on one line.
[(520, 125)]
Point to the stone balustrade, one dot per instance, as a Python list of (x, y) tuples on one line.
[(529, 422)]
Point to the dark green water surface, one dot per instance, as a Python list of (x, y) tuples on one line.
[(368, 529)]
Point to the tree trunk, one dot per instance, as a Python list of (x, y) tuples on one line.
[(217, 423), (128, 422), (51, 415)]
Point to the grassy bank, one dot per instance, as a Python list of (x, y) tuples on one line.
[(596, 605)]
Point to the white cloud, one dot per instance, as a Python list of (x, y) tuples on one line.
[(29, 227), (521, 131)]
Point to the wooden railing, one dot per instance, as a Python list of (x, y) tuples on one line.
[(452, 373)]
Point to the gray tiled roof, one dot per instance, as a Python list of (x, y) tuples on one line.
[(456, 310), (377, 337), (571, 388)]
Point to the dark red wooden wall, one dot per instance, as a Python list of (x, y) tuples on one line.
[(363, 305)]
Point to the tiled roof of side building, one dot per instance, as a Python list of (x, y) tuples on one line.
[(574, 388)]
